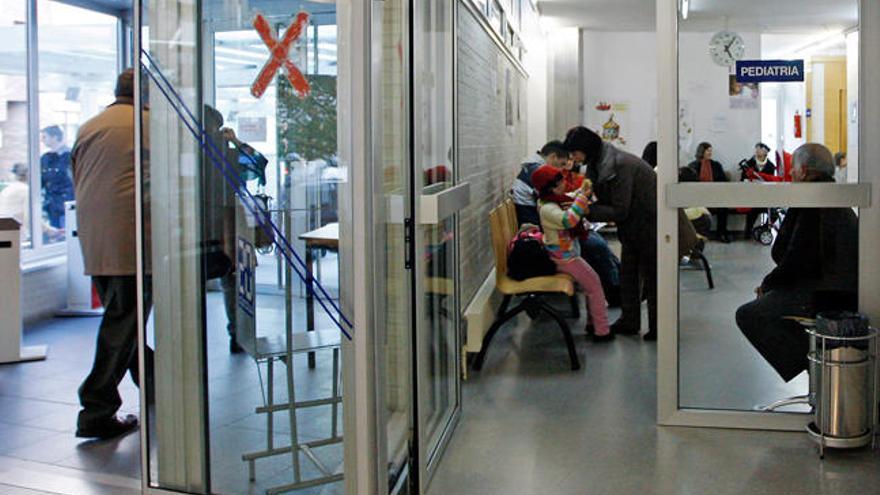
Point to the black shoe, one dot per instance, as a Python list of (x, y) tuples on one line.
[(621, 327), (651, 336), (111, 428), (234, 348), (598, 339), (725, 238)]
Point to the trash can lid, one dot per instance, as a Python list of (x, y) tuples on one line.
[(842, 324)]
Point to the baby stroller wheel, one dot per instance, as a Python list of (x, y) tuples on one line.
[(764, 235)]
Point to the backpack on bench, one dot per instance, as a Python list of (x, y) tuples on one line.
[(527, 257)]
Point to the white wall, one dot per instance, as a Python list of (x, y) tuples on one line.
[(852, 96), (563, 81), (620, 67), (703, 89), (535, 62), (43, 291)]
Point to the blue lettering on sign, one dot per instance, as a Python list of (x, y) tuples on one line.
[(758, 71), (247, 264)]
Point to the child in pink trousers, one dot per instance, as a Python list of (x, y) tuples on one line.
[(560, 215)]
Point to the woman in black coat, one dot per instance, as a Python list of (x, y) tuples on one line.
[(708, 170), (758, 163)]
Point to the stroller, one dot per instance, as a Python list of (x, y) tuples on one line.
[(769, 219)]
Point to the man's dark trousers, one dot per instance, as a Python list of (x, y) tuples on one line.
[(638, 272), (115, 350), (783, 343)]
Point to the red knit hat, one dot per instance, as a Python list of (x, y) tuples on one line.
[(544, 176)]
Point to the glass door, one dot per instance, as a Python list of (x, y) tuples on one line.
[(256, 150), (437, 198), (392, 284), (760, 119)]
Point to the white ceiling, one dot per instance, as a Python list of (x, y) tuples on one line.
[(766, 16)]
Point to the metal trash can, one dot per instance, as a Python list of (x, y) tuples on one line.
[(843, 379)]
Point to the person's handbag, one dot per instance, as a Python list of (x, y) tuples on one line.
[(264, 236), (216, 263), (528, 257)]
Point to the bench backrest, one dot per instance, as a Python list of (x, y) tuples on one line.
[(502, 224)]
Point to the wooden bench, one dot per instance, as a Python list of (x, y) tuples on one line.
[(530, 292)]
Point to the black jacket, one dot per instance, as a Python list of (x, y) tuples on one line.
[(816, 249), (626, 190), (768, 168), (718, 174)]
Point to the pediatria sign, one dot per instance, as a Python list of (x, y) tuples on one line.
[(758, 71)]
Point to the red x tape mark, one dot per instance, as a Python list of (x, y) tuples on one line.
[(279, 51)]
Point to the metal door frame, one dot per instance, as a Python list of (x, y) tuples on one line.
[(425, 462)]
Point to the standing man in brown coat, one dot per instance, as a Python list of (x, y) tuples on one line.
[(104, 180)]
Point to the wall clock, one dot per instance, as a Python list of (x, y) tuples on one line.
[(726, 47)]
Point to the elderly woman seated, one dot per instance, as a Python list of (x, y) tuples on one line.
[(816, 253)]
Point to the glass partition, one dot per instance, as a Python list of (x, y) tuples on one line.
[(436, 289), (753, 88), (241, 200), (730, 113), (391, 205)]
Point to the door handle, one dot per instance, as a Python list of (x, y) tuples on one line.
[(434, 208)]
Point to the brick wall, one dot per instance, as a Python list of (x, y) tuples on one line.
[(489, 151)]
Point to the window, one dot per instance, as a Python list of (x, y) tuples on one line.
[(78, 65), (58, 67), (14, 189)]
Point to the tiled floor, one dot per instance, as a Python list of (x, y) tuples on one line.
[(38, 407), (529, 425), (39, 403)]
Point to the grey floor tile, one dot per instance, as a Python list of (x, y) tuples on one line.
[(16, 490), (529, 425)]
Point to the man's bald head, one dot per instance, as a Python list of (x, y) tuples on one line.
[(813, 162)]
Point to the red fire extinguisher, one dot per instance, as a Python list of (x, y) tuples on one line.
[(798, 129)]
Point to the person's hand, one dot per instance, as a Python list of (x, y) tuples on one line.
[(229, 135), (759, 291), (587, 188)]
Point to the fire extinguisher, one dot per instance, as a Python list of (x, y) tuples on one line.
[(798, 129)]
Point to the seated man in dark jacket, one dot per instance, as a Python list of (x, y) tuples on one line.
[(816, 252)]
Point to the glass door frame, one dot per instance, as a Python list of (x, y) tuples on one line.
[(671, 195), (423, 459), (365, 471)]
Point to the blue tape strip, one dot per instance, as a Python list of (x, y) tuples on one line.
[(248, 200)]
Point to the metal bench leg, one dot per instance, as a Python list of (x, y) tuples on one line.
[(575, 306), (707, 269), (496, 325), (566, 333)]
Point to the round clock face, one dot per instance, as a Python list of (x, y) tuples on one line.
[(726, 47)]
